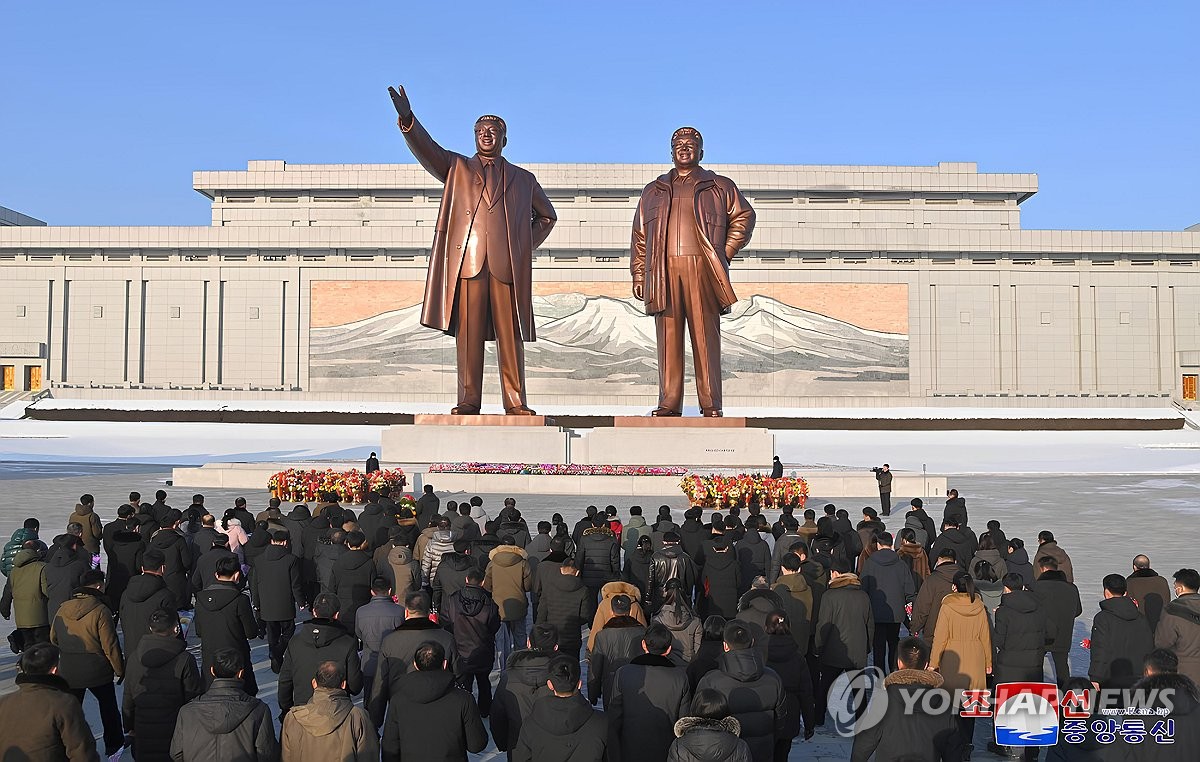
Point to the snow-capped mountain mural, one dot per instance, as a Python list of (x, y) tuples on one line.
[(597, 345)]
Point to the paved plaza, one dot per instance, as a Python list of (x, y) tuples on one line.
[(1102, 521)]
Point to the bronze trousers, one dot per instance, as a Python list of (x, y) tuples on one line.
[(691, 301), (482, 300)]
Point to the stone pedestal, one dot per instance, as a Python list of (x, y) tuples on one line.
[(679, 441), (676, 422), (445, 419), (513, 439)]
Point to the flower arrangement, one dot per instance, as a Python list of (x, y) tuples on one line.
[(554, 469), (301, 486), (717, 491)]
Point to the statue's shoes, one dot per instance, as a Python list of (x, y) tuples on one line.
[(712, 412), (464, 410), (521, 410), (664, 412)]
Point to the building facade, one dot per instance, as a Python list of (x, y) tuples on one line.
[(861, 285)]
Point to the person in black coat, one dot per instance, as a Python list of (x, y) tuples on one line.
[(124, 562), (584, 524), (776, 468), (785, 657), (562, 725), (721, 581), (956, 507), (669, 563), (205, 571), (225, 619), (521, 684), (957, 537), (427, 507), (351, 577), (452, 572), (473, 618), (565, 603), (598, 556), (754, 693), (160, 677), (844, 630), (888, 581), (1022, 634), (429, 717), (397, 650), (206, 538), (693, 533), (372, 464), (123, 523), (320, 639), (1060, 600), (637, 566), (616, 643), (145, 594), (923, 733), (177, 556), (277, 594), (712, 646), (648, 696), (66, 562), (1121, 638), (373, 522), (917, 509)]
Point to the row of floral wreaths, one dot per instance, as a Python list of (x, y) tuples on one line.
[(708, 490)]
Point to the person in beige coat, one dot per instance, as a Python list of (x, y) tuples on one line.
[(604, 609), (962, 643), (509, 580), (329, 726)]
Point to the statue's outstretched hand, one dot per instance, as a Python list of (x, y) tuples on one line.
[(400, 101), (639, 290)]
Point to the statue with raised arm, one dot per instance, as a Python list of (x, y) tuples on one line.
[(479, 286), (689, 225)]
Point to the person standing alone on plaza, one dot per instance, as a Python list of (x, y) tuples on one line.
[(884, 477)]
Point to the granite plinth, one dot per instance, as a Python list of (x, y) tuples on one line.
[(677, 422), (441, 443), (445, 419), (683, 445)]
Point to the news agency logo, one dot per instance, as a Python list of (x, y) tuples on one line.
[(857, 701), (1025, 714)]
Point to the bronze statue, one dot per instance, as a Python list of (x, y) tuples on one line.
[(479, 286), (689, 225)]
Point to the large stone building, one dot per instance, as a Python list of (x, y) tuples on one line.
[(862, 286)]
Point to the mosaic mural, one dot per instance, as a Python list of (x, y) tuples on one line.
[(827, 339)]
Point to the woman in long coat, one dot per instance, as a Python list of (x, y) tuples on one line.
[(962, 641)]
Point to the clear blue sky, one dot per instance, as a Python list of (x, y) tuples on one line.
[(106, 108)]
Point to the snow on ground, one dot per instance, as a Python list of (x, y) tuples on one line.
[(941, 452), (181, 443)]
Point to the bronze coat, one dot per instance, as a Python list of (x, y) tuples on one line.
[(523, 198), (724, 217)]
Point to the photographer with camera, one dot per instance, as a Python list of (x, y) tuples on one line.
[(884, 477)]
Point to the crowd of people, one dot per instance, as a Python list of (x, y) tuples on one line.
[(717, 638)]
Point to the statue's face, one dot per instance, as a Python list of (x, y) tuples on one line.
[(489, 139), (686, 151)]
